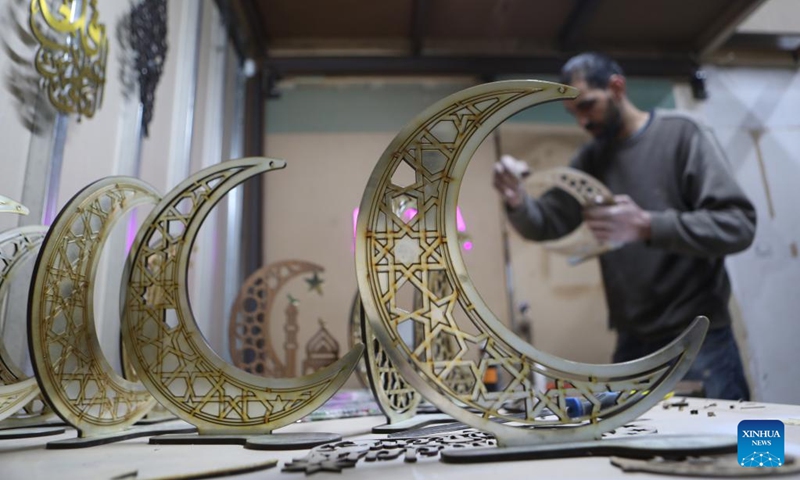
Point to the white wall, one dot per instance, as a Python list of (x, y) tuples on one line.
[(16, 68), (775, 16), (754, 114)]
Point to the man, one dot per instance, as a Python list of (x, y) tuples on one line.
[(678, 211)]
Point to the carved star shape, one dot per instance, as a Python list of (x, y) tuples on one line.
[(292, 300), (278, 404), (315, 283)]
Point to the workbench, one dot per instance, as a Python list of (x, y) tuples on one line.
[(29, 459)]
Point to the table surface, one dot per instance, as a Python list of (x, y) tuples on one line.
[(28, 458)]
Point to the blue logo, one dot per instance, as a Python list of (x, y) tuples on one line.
[(761, 443)]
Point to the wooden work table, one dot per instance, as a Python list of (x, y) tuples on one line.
[(28, 459)]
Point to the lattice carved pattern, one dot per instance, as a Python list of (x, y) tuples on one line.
[(443, 347), (14, 397), (393, 253), (74, 374), (395, 397), (167, 349)]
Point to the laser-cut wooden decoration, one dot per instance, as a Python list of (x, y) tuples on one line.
[(396, 398), (334, 457), (444, 347), (580, 244), (20, 401), (249, 325), (166, 347), (73, 374), (425, 164)]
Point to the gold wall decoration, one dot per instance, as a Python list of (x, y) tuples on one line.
[(74, 375), (165, 345), (321, 350), (249, 324), (580, 244), (394, 254), (17, 246), (72, 54)]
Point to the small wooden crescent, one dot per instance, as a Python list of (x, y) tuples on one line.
[(166, 347), (392, 253)]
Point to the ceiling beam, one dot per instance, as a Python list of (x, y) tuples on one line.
[(571, 33), (679, 66)]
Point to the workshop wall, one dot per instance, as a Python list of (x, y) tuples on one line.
[(754, 114)]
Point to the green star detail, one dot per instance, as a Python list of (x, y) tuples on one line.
[(315, 283)]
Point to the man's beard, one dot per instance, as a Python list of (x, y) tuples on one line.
[(610, 126)]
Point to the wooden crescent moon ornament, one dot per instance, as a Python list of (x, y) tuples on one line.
[(393, 254), (168, 351), (73, 373), (21, 404)]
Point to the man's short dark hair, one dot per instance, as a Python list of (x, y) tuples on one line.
[(595, 68)]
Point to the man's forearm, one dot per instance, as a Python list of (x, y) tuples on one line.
[(703, 233)]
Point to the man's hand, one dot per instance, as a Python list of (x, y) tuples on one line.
[(508, 175), (623, 222)]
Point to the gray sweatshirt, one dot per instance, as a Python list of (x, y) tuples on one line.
[(675, 169)]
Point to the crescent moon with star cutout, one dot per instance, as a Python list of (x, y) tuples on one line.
[(166, 347), (425, 164)]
